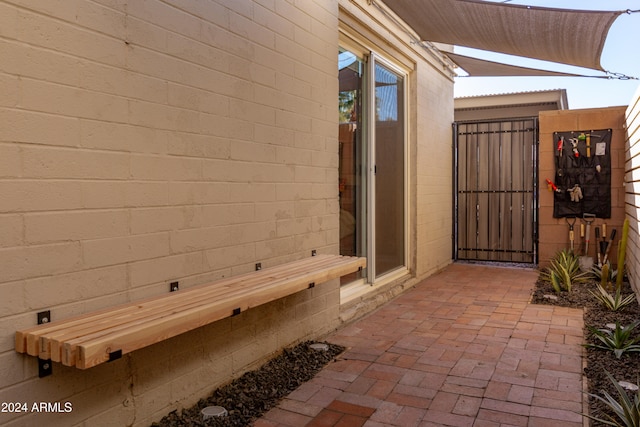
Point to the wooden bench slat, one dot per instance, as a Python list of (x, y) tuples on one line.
[(173, 303), (50, 345), (90, 339), (27, 341), (96, 351)]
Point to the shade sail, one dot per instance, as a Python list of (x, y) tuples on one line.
[(482, 68), (558, 35)]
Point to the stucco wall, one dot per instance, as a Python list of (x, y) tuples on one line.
[(632, 189), (143, 142), (554, 232)]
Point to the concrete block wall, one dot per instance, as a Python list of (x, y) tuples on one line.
[(434, 169), (554, 232), (632, 190), (148, 141)]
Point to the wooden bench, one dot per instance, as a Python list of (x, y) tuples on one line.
[(94, 338)]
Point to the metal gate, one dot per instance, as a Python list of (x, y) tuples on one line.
[(496, 190)]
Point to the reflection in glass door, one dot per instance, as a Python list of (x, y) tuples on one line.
[(352, 159), (389, 170)]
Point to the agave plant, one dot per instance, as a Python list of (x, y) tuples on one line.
[(613, 302), (619, 340), (564, 271), (626, 410)]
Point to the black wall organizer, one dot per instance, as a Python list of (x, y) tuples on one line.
[(582, 182)]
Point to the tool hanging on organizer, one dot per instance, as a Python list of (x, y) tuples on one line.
[(552, 187), (588, 143), (574, 147), (575, 193), (571, 233), (559, 151)]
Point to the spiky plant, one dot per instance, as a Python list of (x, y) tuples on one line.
[(613, 302), (564, 271), (626, 411), (620, 340)]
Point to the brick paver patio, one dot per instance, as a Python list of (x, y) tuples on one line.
[(463, 348)]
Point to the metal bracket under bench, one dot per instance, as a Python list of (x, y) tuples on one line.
[(105, 335)]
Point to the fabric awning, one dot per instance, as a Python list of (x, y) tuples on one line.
[(572, 37), (482, 68)]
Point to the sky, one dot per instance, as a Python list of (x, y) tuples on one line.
[(621, 54)]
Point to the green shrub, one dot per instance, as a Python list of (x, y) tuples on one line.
[(619, 340), (626, 410), (564, 271), (613, 302)]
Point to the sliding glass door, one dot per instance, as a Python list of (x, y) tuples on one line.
[(372, 173)]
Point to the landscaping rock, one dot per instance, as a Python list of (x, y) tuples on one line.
[(254, 393)]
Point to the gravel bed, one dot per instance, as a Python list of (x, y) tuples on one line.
[(255, 392), (627, 368)]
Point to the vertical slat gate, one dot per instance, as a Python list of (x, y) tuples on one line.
[(496, 192)]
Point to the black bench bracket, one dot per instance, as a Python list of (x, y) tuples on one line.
[(115, 355), (45, 367)]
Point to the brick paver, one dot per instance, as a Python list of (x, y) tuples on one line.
[(463, 348)]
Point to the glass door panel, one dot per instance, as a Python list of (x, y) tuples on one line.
[(389, 170), (352, 167)]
